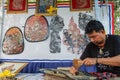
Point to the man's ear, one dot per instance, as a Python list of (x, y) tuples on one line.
[(103, 31)]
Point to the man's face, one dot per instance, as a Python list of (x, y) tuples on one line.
[(98, 38)]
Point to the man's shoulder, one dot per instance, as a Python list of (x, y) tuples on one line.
[(113, 36)]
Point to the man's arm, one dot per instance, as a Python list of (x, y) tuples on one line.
[(113, 61)]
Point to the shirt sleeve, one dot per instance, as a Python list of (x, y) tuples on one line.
[(117, 45), (85, 54)]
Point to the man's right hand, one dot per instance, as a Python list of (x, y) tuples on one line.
[(76, 64), (73, 70)]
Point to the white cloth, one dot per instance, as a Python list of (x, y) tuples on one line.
[(30, 76)]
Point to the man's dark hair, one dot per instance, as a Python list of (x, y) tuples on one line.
[(94, 25)]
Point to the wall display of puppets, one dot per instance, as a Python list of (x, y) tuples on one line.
[(61, 36)]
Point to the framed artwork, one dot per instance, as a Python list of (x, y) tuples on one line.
[(46, 7), (0, 2), (17, 6), (31, 0), (14, 67), (80, 5)]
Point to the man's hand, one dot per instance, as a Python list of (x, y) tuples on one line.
[(73, 70), (89, 61), (77, 63)]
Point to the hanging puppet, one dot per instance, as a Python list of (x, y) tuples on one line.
[(56, 25), (36, 29), (13, 42)]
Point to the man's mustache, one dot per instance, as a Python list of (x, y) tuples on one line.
[(98, 42)]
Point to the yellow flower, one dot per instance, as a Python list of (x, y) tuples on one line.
[(6, 73), (1, 75), (51, 9)]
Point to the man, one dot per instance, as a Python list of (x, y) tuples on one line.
[(103, 50)]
